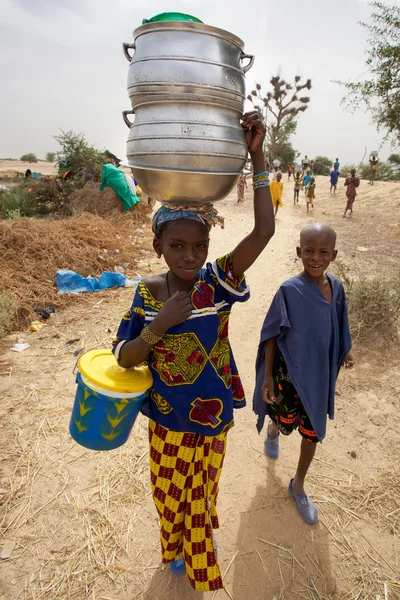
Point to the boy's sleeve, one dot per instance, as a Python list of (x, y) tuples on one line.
[(345, 342), (131, 324), (276, 324), (221, 272)]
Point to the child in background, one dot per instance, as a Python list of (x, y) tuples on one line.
[(298, 185), (336, 164), (289, 171), (352, 182), (310, 194), (178, 324), (276, 192), (334, 179), (304, 342), (307, 179)]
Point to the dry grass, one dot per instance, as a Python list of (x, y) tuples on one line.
[(374, 304), (91, 199), (357, 514), (87, 523), (32, 250), (8, 310)]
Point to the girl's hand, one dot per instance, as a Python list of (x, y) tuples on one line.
[(254, 129), (176, 310), (348, 362), (268, 390)]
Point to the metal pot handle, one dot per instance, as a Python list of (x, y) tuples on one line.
[(125, 117), (251, 62), (125, 47)]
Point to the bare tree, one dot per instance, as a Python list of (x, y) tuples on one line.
[(279, 108)]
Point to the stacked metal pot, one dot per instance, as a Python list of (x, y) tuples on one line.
[(187, 90)]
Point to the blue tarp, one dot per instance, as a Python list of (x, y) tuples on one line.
[(69, 282)]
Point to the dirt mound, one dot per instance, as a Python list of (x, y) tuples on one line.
[(90, 199), (33, 250)]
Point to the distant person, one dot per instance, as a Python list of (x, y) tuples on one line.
[(276, 189), (310, 194), (305, 340), (305, 163), (298, 185), (373, 161), (28, 174), (306, 180), (289, 171), (336, 164), (352, 182), (114, 160), (334, 179)]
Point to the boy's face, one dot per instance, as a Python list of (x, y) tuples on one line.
[(317, 251), (279, 177), (184, 245)]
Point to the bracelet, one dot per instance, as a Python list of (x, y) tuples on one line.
[(260, 178), (262, 173), (149, 337), (261, 184)]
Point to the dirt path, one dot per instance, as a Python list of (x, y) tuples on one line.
[(83, 523)]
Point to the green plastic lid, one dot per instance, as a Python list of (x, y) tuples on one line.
[(171, 16)]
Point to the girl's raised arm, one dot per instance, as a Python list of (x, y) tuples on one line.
[(250, 248)]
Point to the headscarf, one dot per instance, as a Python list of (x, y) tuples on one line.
[(206, 214)]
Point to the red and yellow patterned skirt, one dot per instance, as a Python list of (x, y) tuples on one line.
[(185, 470)]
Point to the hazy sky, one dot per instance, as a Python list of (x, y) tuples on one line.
[(62, 67)]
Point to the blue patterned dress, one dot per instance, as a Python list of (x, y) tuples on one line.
[(196, 381)]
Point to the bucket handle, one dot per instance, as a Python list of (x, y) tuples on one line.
[(125, 117), (251, 61), (125, 47)]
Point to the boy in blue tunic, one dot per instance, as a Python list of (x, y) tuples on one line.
[(305, 340), (334, 179)]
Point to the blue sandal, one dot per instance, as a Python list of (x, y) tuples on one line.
[(306, 506), (271, 445), (178, 566)]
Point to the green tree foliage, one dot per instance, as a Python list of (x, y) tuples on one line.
[(30, 157), (322, 165), (50, 157), (394, 159), (76, 155), (280, 107), (379, 91), (385, 171)]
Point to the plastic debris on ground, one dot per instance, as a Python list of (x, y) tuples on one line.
[(69, 282), (45, 312), (36, 326), (19, 347)]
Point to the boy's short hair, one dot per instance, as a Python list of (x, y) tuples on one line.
[(318, 227)]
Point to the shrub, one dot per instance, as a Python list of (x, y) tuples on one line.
[(386, 171), (17, 203), (32, 158), (51, 157), (322, 165), (374, 305), (76, 155), (8, 310)]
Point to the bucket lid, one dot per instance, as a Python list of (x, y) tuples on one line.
[(171, 16), (101, 368)]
